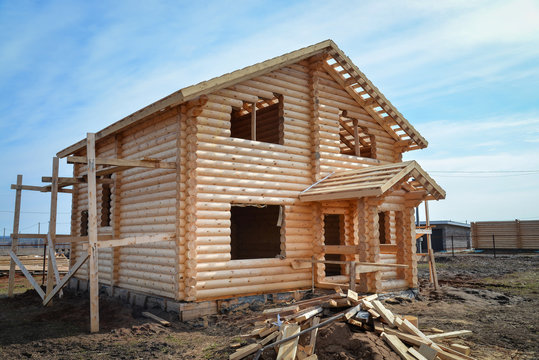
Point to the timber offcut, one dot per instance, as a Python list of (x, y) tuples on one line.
[(283, 175)]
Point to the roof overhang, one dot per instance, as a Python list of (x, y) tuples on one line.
[(352, 78), (373, 181)]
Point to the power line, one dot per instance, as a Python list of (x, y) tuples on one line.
[(32, 212), (484, 171)]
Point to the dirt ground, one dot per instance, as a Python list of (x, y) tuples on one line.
[(495, 298)]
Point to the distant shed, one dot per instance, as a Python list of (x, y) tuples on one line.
[(447, 235)]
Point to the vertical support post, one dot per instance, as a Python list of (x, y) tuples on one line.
[(253, 121), (352, 272), (432, 263), (452, 246), (15, 239), (356, 137), (312, 273), (92, 233), (115, 216), (52, 226), (494, 245)]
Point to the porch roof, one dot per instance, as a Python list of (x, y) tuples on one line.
[(373, 181)]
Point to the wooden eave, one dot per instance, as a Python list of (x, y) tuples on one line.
[(368, 95), (373, 181)]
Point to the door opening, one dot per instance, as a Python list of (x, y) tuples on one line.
[(334, 235)]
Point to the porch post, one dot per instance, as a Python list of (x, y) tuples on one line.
[(369, 245), (406, 253)]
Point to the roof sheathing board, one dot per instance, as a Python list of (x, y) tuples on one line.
[(192, 92)]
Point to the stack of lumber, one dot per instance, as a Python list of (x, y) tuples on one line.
[(281, 328)]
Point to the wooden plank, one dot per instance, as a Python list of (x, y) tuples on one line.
[(309, 314), (397, 345), (463, 349), (432, 262), (51, 237), (427, 352), (314, 334), (92, 232), (411, 329), (65, 279), (26, 273), (245, 351), (156, 318), (287, 350), (153, 164), (52, 258), (133, 240), (385, 313), (269, 338), (450, 351), (450, 334), (416, 354), (14, 239)]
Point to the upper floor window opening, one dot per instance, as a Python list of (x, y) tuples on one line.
[(260, 121), (355, 139)]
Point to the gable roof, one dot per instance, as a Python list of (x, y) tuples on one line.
[(354, 81), (371, 181)]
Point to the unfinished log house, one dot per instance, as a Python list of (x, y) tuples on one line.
[(257, 174)]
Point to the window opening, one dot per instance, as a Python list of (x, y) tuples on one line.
[(382, 228), (255, 231), (333, 235), (260, 121), (84, 223), (105, 202), (355, 139)]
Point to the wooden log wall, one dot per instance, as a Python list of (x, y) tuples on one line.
[(148, 206), (518, 234), (231, 170)]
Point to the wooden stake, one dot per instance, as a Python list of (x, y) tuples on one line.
[(51, 238), (92, 234), (432, 263), (14, 238)]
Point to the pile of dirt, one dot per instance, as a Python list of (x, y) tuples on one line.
[(339, 342)]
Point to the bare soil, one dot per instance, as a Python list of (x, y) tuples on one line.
[(495, 298)]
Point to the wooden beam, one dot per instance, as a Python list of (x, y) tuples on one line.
[(356, 137), (92, 232), (38, 188), (253, 121), (51, 237), (29, 276), (132, 240), (63, 282), (153, 164), (14, 239)]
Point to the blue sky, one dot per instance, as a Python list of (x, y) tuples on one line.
[(464, 73)]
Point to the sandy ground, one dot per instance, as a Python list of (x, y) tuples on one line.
[(495, 298)]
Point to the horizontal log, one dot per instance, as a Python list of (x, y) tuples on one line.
[(252, 289), (245, 273), (253, 280), (262, 169)]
